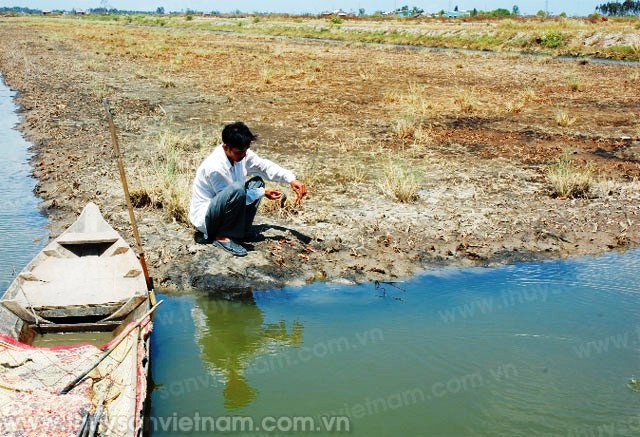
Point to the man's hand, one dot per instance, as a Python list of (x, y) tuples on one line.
[(300, 189), (272, 193)]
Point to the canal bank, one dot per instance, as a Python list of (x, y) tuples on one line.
[(532, 348), (483, 198)]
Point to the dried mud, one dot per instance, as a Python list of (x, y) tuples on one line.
[(331, 111)]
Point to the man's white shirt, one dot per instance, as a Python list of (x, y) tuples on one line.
[(216, 173)]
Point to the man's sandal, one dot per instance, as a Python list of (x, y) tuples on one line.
[(231, 246)]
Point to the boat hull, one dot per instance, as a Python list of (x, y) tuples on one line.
[(86, 281)]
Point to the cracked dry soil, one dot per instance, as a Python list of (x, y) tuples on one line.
[(334, 113)]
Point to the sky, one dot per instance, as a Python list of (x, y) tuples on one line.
[(527, 7)]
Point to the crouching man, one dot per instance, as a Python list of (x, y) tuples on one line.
[(223, 201)]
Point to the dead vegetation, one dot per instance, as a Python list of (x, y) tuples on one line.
[(569, 179), (412, 157)]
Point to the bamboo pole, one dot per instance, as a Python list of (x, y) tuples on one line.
[(125, 187)]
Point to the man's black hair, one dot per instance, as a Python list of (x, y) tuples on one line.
[(237, 135)]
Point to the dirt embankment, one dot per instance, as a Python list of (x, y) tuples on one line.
[(477, 132)]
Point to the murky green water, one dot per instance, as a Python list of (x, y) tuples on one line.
[(70, 338), (532, 349)]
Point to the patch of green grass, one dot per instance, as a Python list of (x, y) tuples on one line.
[(552, 39), (623, 52)]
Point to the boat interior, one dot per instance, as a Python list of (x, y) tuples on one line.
[(80, 282)]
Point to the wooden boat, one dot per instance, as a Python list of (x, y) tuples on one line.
[(86, 283)]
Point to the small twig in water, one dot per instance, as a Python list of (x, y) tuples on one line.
[(378, 286)]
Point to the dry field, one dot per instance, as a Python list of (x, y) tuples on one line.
[(414, 157)]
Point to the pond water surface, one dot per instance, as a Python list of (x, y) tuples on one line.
[(545, 348)]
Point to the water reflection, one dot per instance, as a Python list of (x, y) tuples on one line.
[(231, 335), (545, 348)]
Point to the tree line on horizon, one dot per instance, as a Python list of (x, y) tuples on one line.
[(30, 11), (628, 7)]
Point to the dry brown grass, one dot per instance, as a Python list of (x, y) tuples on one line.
[(569, 179), (166, 183), (515, 106), (316, 99), (399, 182), (574, 83), (275, 208), (563, 118), (415, 100), (529, 95), (405, 128), (466, 101)]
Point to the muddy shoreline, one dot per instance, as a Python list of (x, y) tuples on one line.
[(483, 198)]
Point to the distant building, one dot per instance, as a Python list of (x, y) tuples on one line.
[(336, 13), (455, 14)]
